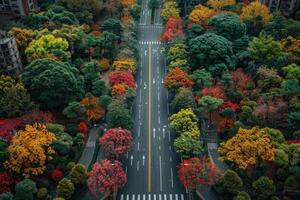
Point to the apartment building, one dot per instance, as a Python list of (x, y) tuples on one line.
[(18, 7), (10, 61)]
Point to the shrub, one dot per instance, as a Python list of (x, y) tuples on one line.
[(57, 175), (25, 190), (42, 193), (263, 188), (65, 188), (78, 174), (231, 182)]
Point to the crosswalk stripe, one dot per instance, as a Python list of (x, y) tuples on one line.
[(165, 197), (138, 197), (154, 196), (127, 197), (133, 197), (122, 196), (149, 197), (182, 197), (176, 196), (159, 196), (171, 197), (144, 197)]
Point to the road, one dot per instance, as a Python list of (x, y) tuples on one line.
[(151, 164)]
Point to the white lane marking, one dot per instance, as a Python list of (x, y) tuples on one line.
[(138, 146), (127, 197), (139, 131), (159, 121), (182, 197), (163, 134), (160, 174), (169, 136), (159, 147), (133, 197), (172, 182), (138, 165), (176, 196), (143, 160), (170, 148), (171, 197), (122, 196), (153, 132), (146, 52), (170, 158), (158, 96), (145, 85), (153, 81), (140, 95), (131, 160)]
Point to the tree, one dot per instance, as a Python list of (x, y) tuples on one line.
[(184, 98), (177, 56), (264, 49), (202, 78), (177, 78), (220, 4), (294, 121), (127, 64), (169, 9), (187, 147), (197, 171), (29, 150), (209, 104), (78, 174), (201, 14), (263, 188), (228, 25), (122, 77), (99, 88), (106, 177), (214, 91), (57, 174), (74, 110), (291, 45), (94, 111), (256, 11), (240, 80), (231, 182), (113, 26), (276, 136), (52, 83), (93, 6), (194, 30), (91, 73), (118, 116), (116, 142), (23, 36), (173, 29), (82, 128), (65, 189), (25, 190), (242, 196), (184, 121), (247, 147), (48, 46), (292, 72), (6, 196), (5, 182), (209, 49), (268, 78)]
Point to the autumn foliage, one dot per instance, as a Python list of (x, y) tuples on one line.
[(128, 64), (197, 171), (5, 182), (255, 10), (122, 77), (106, 177), (201, 14), (214, 91), (57, 175), (225, 123), (173, 29), (82, 127), (93, 109), (116, 142), (177, 78), (219, 4), (29, 150), (247, 147), (241, 80)]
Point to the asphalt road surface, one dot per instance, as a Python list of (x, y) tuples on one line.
[(151, 165)]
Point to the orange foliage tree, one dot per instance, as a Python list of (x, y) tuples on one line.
[(220, 4), (177, 78), (93, 110), (127, 3), (214, 91), (256, 10), (225, 123), (247, 147), (119, 89), (240, 81), (128, 64), (201, 14), (291, 45)]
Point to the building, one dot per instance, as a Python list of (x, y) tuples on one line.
[(287, 7), (18, 7), (10, 61)]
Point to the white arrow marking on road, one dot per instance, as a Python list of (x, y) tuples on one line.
[(153, 132), (163, 133), (131, 160), (145, 85), (143, 160)]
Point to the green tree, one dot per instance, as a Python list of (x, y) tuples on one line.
[(74, 110), (194, 31), (231, 182), (242, 196), (94, 6), (53, 83), (6, 196), (78, 174), (176, 53), (118, 116), (184, 98), (264, 49), (277, 27), (113, 26), (91, 73), (228, 25), (294, 121), (268, 78), (65, 189), (202, 78), (209, 104), (209, 49), (276, 136), (263, 188), (187, 147), (25, 190), (290, 87), (105, 100), (292, 72), (99, 88)]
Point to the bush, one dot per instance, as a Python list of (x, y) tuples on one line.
[(231, 182), (57, 175), (25, 190), (42, 194), (242, 196), (70, 165), (78, 174), (6, 196), (65, 188), (263, 188)]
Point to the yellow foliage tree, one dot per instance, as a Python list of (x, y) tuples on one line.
[(23, 36), (169, 9), (247, 147), (6, 83), (201, 14), (127, 3), (128, 64), (256, 10), (104, 64), (291, 45), (93, 110), (29, 150), (220, 4)]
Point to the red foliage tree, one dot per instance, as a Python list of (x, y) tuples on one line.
[(197, 171), (177, 78), (7, 126), (214, 91), (173, 29), (57, 175), (82, 128), (233, 106), (37, 117), (116, 142), (106, 177), (124, 77), (240, 81), (5, 182), (225, 123)]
